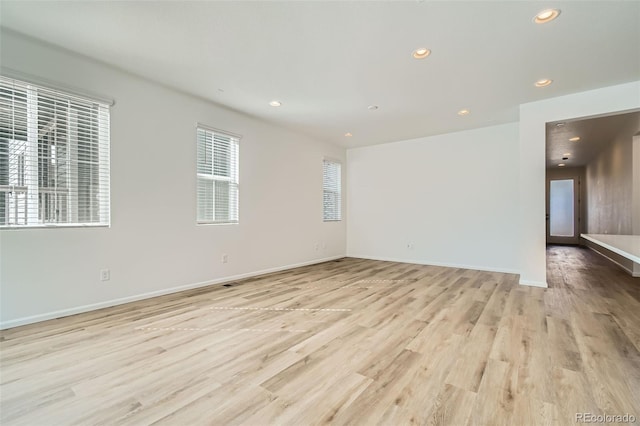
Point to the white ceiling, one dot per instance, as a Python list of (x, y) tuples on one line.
[(327, 61)]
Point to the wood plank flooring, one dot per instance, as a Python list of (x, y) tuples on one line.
[(346, 342)]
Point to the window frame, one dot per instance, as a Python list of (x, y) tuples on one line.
[(29, 180), (328, 160), (233, 181)]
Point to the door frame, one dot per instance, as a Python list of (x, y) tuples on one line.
[(577, 174)]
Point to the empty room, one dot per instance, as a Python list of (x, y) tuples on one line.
[(329, 212)]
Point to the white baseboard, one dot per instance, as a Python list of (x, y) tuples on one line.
[(429, 263), (530, 283), (120, 301)]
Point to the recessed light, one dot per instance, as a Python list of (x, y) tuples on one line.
[(372, 107), (275, 103), (575, 139), (348, 134), (543, 82), (421, 53), (546, 15), (566, 154), (561, 165), (464, 112)]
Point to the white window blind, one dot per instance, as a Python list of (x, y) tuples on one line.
[(54, 157), (217, 176), (332, 191)]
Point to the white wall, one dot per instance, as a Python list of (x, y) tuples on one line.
[(533, 117), (154, 245), (453, 198)]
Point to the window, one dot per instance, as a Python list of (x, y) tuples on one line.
[(217, 176), (332, 191), (54, 158)]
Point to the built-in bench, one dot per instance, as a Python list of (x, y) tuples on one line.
[(624, 250)]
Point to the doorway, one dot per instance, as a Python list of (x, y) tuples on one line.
[(591, 158), (563, 206)]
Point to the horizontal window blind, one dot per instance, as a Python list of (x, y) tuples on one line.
[(217, 170), (54, 157), (332, 191)]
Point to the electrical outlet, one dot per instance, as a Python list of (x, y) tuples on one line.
[(410, 246), (225, 258), (317, 246), (105, 275)]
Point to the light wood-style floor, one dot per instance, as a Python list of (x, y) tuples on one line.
[(345, 342)]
